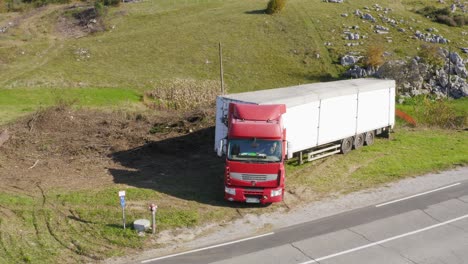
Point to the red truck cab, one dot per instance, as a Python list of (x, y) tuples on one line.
[(255, 153)]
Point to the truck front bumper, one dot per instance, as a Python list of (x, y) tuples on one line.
[(253, 195)]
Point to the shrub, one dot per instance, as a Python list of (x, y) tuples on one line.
[(460, 20), (432, 55), (374, 56), (275, 6), (111, 2), (447, 20), (439, 113), (98, 8), (443, 16)]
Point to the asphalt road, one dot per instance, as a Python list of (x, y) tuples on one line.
[(428, 227)]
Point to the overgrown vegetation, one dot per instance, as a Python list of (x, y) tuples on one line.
[(437, 113), (182, 94), (444, 16)]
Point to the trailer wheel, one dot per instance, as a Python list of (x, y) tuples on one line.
[(346, 145), (369, 138), (359, 141)]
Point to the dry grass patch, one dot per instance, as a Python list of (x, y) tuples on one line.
[(182, 94)]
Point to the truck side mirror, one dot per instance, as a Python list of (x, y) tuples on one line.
[(221, 148), (289, 150)]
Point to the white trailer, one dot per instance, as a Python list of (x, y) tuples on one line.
[(323, 118)]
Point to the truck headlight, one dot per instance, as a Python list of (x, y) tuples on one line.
[(276, 192), (231, 191)]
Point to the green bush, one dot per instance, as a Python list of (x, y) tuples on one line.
[(447, 20), (461, 20), (98, 8), (275, 6), (443, 16), (439, 113), (111, 2), (432, 54)]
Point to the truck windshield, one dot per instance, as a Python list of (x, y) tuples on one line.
[(254, 150)]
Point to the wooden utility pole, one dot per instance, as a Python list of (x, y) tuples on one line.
[(449, 70), (221, 72)]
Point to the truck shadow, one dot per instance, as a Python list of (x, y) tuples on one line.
[(185, 167)]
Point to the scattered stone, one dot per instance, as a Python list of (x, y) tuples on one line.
[(464, 50), (401, 30), (358, 12), (432, 38), (352, 36), (368, 16), (334, 1), (455, 58), (348, 60), (141, 225), (357, 72), (381, 32), (382, 28), (453, 8)]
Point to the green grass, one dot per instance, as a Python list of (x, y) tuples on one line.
[(153, 41), (416, 107), (17, 102), (408, 153)]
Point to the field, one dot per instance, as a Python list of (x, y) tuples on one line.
[(80, 130)]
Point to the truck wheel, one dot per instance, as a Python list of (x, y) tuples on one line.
[(369, 138), (346, 145), (359, 141)]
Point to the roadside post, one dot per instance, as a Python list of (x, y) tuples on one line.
[(153, 208), (122, 203)]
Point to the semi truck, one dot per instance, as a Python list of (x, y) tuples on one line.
[(257, 131)]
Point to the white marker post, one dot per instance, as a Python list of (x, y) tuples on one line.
[(153, 208), (122, 203)]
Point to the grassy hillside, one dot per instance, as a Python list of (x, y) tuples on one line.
[(158, 40)]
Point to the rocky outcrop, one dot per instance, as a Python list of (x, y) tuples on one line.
[(349, 60), (415, 77)]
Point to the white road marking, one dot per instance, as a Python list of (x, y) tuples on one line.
[(385, 240), (416, 195), (210, 247)]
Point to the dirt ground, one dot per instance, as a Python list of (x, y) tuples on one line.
[(61, 148)]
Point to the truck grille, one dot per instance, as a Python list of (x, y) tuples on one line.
[(254, 177)]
